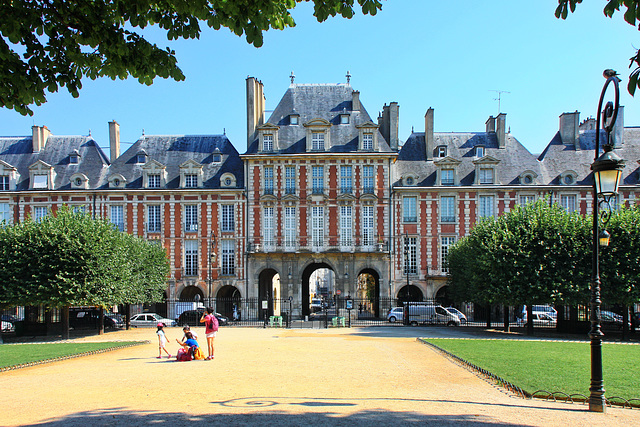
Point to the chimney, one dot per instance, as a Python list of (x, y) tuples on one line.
[(501, 130), (355, 103), (428, 133), (255, 107), (394, 109), (40, 134), (491, 124), (114, 140), (570, 129)]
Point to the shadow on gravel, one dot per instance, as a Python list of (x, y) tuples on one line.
[(120, 417)]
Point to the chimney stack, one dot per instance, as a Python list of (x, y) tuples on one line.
[(355, 103), (389, 124), (39, 134), (491, 124), (501, 130), (570, 129), (114, 140), (255, 107), (428, 133)]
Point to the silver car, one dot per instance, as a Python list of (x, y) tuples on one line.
[(395, 314), (150, 320), (461, 316)]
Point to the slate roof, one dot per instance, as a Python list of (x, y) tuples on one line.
[(324, 101), (18, 152), (172, 151), (513, 160)]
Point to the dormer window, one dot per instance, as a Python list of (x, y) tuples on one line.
[(141, 157), (268, 138), (74, 158), (153, 180), (528, 177), (117, 181), (294, 119), (228, 180), (154, 175), (480, 151), (485, 170), (441, 151), (367, 136), (447, 177), (267, 142), (190, 174), (568, 177), (367, 141), (447, 173), (344, 118), (40, 181), (41, 175), (318, 135), (317, 141)]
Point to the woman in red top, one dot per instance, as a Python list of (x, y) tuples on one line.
[(211, 326)]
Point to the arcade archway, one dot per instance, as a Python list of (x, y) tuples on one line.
[(229, 302), (368, 292), (442, 297), (268, 290), (306, 276), (409, 293)]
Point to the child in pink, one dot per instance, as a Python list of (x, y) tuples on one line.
[(162, 341)]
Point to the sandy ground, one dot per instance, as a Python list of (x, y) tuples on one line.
[(357, 376)]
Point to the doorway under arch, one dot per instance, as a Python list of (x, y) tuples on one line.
[(368, 285), (268, 283), (306, 276), (229, 302), (409, 293), (189, 293), (442, 296)]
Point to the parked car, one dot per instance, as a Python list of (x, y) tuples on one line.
[(547, 309), (396, 314), (113, 320), (461, 316), (431, 314), (150, 320), (539, 319), (192, 318), (7, 326), (316, 305), (611, 320)]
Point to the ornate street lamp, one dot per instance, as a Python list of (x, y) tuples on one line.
[(607, 172)]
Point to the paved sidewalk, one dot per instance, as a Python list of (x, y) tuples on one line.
[(357, 376)]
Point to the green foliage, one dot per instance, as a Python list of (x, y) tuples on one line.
[(47, 45), (531, 255), (631, 16), (551, 366), (72, 259)]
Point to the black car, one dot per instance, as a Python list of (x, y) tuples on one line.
[(89, 319), (192, 318)]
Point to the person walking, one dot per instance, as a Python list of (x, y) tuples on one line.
[(162, 342), (211, 327)]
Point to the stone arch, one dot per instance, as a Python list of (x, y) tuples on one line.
[(189, 293), (409, 293), (229, 301), (372, 295), (266, 280), (442, 296), (306, 275)]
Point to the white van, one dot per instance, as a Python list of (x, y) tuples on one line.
[(431, 314)]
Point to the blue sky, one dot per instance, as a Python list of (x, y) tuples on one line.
[(420, 53)]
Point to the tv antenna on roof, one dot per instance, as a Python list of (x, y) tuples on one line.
[(499, 92)]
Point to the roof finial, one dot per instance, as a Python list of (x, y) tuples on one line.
[(292, 77), (142, 131), (348, 76), (89, 132), (224, 131)]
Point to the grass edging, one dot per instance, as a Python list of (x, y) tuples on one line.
[(71, 356)]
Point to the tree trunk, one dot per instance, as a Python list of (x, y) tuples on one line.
[(64, 319), (127, 316), (101, 321), (488, 316), (507, 312), (529, 319)]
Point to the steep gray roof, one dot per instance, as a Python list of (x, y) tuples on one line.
[(324, 101), (173, 150), (18, 152), (558, 157), (514, 159)]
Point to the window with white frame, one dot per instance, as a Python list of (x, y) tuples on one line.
[(568, 202), (191, 180), (79, 209), (410, 255), (5, 213), (441, 151), (446, 177), (368, 230), (368, 182), (116, 216), (153, 218), (268, 226), (268, 180), (191, 257), (479, 151), (486, 176), (317, 226), (267, 142), (367, 141), (447, 209), (39, 212), (40, 181), (228, 258), (153, 180), (317, 141), (526, 199), (445, 244), (290, 225), (485, 206), (346, 226), (4, 182), (290, 179), (409, 209), (346, 179), (191, 218), (228, 218), (317, 183)]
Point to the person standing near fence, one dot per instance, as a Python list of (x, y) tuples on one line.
[(211, 327)]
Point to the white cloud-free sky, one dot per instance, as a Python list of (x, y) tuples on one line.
[(451, 56)]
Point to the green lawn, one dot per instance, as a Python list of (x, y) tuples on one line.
[(25, 353), (552, 366)]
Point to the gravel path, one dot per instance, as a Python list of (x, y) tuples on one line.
[(357, 376)]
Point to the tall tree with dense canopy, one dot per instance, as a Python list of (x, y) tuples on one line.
[(50, 44)]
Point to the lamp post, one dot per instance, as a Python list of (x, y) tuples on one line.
[(212, 259), (406, 272), (607, 171)]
